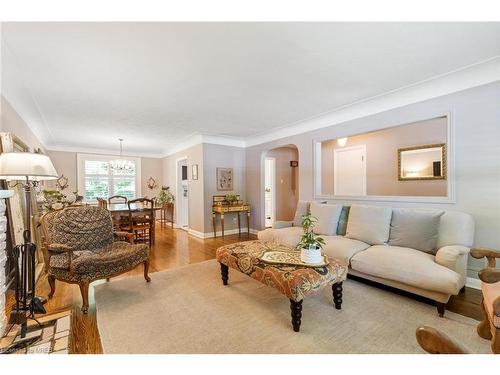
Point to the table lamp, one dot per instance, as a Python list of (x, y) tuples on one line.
[(28, 169)]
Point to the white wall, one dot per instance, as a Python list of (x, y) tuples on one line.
[(475, 116)]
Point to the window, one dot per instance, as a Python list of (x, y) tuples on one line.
[(96, 178)]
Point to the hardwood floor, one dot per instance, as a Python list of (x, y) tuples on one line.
[(173, 248)]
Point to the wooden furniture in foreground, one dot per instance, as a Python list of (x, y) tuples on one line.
[(141, 219), (166, 214), (221, 207), (436, 342), (489, 328), (293, 280), (79, 247)]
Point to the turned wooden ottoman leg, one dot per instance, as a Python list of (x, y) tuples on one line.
[(224, 271), (441, 307), (337, 295), (296, 309)]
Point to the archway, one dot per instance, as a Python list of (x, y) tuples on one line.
[(281, 184)]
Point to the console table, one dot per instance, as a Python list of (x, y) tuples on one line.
[(221, 207)]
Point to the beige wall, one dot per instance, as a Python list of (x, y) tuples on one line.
[(382, 159), (195, 195), (218, 156), (151, 167), (65, 164), (208, 157), (10, 121), (286, 197)]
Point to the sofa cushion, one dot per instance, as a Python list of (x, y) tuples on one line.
[(342, 248), (328, 218), (416, 229), (344, 215), (301, 210), (407, 266), (287, 236), (370, 224)]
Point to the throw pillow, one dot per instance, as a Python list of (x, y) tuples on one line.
[(302, 209), (415, 229), (370, 224), (328, 218), (344, 215)]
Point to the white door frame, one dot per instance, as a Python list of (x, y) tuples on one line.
[(335, 169), (273, 187), (179, 192)]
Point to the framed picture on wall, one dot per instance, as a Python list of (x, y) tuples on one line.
[(224, 179), (194, 171)]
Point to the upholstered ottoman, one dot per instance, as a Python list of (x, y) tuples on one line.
[(295, 281)]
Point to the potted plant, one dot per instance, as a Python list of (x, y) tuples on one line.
[(310, 244), (165, 196), (231, 198)]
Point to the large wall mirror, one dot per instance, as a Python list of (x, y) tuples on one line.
[(406, 162)]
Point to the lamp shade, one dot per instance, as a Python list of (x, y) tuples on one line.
[(19, 165)]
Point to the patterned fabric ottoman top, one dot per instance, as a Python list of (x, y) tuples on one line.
[(294, 281)]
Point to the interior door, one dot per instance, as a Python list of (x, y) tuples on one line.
[(269, 194), (350, 171)]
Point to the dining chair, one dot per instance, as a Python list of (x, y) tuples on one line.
[(117, 199), (141, 219), (102, 203)]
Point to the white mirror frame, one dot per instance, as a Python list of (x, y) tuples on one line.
[(450, 156)]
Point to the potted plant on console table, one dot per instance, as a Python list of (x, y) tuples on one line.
[(310, 244)]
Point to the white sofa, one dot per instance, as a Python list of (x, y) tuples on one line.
[(436, 275)]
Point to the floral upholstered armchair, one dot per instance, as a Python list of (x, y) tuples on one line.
[(79, 247)]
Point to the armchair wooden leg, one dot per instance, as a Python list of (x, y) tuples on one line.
[(441, 307), (495, 342), (483, 328), (84, 289), (146, 270), (52, 284)]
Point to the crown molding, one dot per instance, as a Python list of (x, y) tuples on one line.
[(464, 78), (209, 139), (98, 151)]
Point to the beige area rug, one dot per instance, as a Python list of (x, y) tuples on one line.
[(188, 310)]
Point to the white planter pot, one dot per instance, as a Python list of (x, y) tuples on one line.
[(310, 254)]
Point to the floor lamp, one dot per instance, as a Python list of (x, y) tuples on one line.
[(28, 169)]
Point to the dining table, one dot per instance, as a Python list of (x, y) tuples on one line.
[(122, 208)]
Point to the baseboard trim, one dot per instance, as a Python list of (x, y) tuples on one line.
[(473, 283), (206, 235)]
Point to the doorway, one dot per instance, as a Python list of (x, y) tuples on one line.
[(270, 191), (279, 184), (182, 206), (349, 169)]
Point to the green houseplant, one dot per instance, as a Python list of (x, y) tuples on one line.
[(309, 240), (310, 244), (231, 198), (165, 196)]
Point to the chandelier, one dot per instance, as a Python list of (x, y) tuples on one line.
[(122, 165)]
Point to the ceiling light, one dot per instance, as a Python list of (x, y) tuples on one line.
[(122, 165), (342, 141)]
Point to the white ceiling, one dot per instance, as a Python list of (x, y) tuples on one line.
[(83, 85)]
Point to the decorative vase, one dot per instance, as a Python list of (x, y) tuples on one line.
[(311, 254)]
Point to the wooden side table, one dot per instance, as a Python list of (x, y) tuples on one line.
[(167, 208), (222, 209)]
